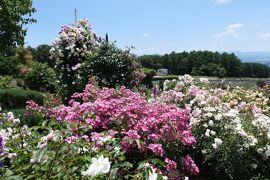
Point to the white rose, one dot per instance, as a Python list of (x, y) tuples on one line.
[(152, 175), (213, 133), (218, 141), (211, 123), (207, 133), (98, 166)]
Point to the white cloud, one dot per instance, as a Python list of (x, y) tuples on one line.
[(146, 34), (264, 36), (234, 26), (222, 1), (231, 31)]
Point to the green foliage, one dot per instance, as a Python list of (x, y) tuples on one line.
[(42, 54), (256, 70), (148, 71), (112, 67), (15, 14), (210, 70), (16, 98), (28, 118), (41, 78), (149, 74), (47, 151), (151, 61), (6, 82), (195, 62), (8, 66), (24, 56), (11, 65)]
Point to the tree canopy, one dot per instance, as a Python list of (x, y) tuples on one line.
[(42, 54), (205, 63), (15, 14)]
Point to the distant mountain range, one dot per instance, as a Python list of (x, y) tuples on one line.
[(258, 57)]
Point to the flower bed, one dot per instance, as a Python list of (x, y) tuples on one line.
[(231, 126), (101, 133)]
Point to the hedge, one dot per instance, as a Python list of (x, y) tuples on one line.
[(16, 98)]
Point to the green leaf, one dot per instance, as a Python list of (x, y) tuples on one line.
[(127, 165), (9, 173), (157, 161), (113, 173), (14, 178), (122, 158), (41, 154)]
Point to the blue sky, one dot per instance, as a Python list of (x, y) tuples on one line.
[(161, 26)]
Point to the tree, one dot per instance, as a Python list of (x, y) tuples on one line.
[(255, 70), (212, 70), (42, 54), (205, 63), (15, 14), (8, 66), (41, 77), (24, 56), (184, 66), (112, 67)]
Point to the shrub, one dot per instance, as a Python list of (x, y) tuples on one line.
[(41, 77), (27, 117), (31, 118), (8, 66), (149, 74), (145, 129), (7, 82), (112, 67), (80, 55), (17, 98), (261, 83), (74, 45), (231, 127), (117, 130)]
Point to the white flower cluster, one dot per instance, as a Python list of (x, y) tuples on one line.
[(98, 166), (262, 123), (204, 80), (187, 79), (11, 118), (220, 114), (171, 96), (74, 41), (9, 131), (152, 174)]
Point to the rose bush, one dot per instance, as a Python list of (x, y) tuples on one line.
[(80, 55), (74, 44), (103, 132), (231, 127)]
